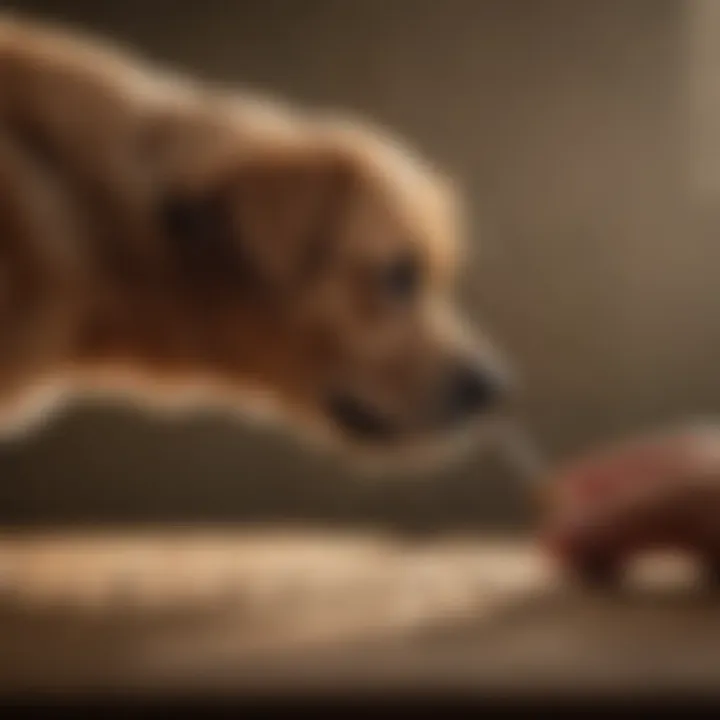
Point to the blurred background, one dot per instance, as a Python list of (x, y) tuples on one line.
[(586, 134)]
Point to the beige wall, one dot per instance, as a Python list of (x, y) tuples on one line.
[(576, 126)]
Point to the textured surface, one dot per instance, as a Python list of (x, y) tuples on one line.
[(218, 611)]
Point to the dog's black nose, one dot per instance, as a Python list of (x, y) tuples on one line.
[(473, 389)]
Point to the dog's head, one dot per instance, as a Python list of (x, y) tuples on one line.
[(333, 262)]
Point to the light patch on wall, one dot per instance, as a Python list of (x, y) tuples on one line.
[(701, 51)]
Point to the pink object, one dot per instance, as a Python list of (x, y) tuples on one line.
[(661, 491)]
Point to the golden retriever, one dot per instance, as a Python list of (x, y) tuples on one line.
[(172, 240)]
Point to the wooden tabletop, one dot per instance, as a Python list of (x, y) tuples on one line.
[(224, 611)]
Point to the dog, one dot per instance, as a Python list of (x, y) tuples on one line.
[(178, 243)]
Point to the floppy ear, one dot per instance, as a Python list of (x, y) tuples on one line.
[(268, 220), (201, 243)]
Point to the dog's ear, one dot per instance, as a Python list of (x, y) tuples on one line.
[(201, 243), (270, 219)]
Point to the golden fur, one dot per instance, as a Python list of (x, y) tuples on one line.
[(164, 237)]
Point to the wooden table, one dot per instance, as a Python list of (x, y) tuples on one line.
[(221, 611)]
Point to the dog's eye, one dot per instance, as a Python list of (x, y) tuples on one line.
[(401, 279)]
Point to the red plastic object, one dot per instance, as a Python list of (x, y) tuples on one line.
[(659, 492)]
